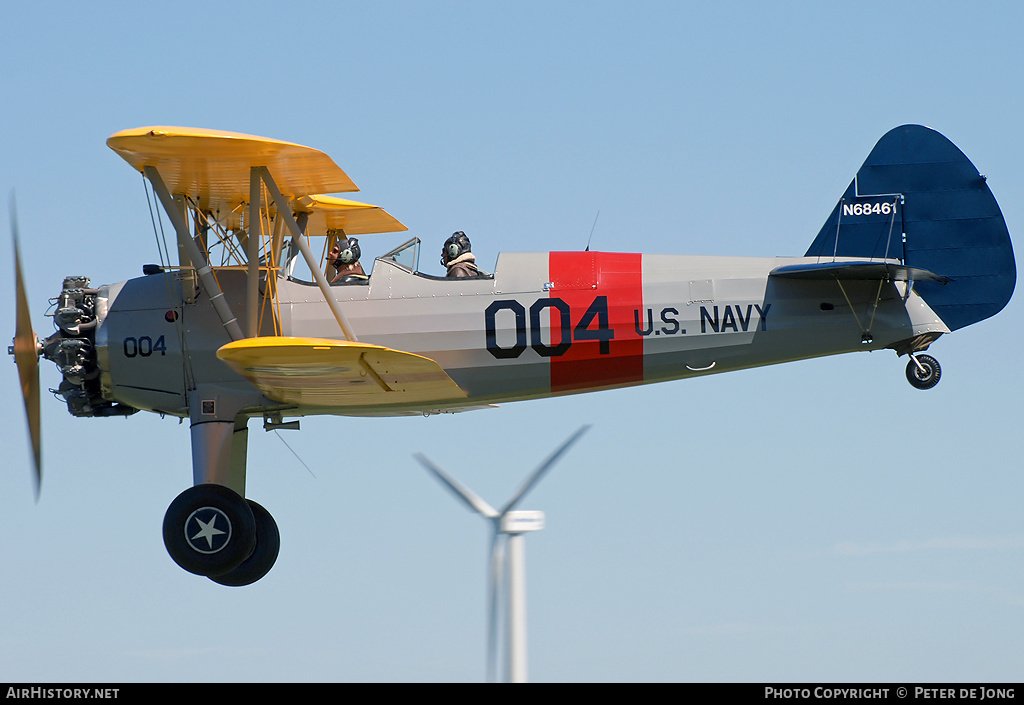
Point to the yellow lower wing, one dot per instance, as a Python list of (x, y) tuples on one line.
[(322, 372)]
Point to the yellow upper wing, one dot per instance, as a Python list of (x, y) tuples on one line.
[(212, 166), (328, 213), (338, 373)]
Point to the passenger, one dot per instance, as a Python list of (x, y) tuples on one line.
[(344, 258), (455, 255)]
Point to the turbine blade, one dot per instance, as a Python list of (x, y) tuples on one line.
[(472, 500), (539, 473), (26, 356)]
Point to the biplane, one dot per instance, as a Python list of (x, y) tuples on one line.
[(241, 322)]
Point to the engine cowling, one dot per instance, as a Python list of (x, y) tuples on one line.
[(73, 349)]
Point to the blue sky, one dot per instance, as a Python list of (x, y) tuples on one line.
[(820, 520)]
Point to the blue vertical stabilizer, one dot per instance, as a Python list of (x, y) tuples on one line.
[(919, 199)]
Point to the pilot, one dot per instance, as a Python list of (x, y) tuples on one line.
[(344, 258), (455, 255)]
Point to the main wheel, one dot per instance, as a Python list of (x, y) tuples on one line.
[(263, 556), (926, 376), (209, 530)]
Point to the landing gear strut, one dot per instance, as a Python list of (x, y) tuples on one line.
[(211, 529), (923, 371)]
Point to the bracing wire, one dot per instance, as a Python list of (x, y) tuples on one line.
[(278, 434)]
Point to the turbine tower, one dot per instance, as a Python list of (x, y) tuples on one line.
[(511, 525)]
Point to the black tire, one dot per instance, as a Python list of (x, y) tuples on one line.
[(209, 530), (263, 556), (927, 378)]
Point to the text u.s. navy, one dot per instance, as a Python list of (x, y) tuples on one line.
[(709, 320)]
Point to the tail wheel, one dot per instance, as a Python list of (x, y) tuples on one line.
[(923, 371), (209, 530), (264, 553)]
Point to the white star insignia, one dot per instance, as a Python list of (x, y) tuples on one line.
[(208, 531)]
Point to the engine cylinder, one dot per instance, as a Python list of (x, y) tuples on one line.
[(73, 349)]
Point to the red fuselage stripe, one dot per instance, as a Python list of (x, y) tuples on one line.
[(606, 349)]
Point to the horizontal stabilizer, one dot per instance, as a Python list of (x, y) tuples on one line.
[(865, 270), (339, 373)]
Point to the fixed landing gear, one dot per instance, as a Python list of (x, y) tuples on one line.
[(211, 530), (923, 371)]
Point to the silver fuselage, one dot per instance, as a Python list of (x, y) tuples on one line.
[(545, 324)]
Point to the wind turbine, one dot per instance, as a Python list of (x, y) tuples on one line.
[(510, 525)]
